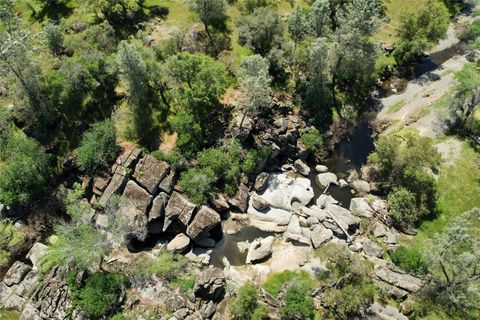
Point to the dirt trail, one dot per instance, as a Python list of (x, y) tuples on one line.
[(424, 91)]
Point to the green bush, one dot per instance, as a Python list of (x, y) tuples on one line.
[(9, 238), (409, 259), (24, 173), (244, 304), (403, 208), (166, 265), (98, 146), (312, 139), (100, 295), (198, 184), (298, 303)]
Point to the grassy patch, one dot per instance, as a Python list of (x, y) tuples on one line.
[(9, 314), (458, 191), (397, 106), (275, 282)]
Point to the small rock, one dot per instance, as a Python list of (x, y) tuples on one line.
[(379, 230), (320, 235), (301, 167), (324, 200), (342, 183), (321, 169), (102, 221), (372, 249), (179, 244), (240, 200), (297, 239), (205, 220), (294, 226), (261, 182), (311, 221), (361, 186), (361, 207), (35, 253), (259, 203)]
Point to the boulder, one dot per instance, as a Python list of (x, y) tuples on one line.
[(342, 183), (149, 172), (361, 207), (204, 220), (99, 184), (240, 200), (220, 204), (260, 249), (320, 235), (261, 182), (390, 238), (361, 186), (259, 203), (16, 273), (178, 209), (324, 200), (157, 210), (116, 185), (179, 244), (138, 196), (401, 280), (323, 180), (312, 221), (210, 285), (301, 167), (135, 220), (379, 230), (343, 216), (315, 212), (321, 169), (386, 312), (167, 183), (126, 160), (297, 239), (35, 254), (294, 226), (280, 126), (372, 249)]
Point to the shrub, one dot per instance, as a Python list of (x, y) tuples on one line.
[(350, 300), (54, 36), (100, 295), (298, 303), (244, 304), (98, 146), (198, 184), (24, 175), (9, 238), (409, 259), (403, 208), (311, 139), (166, 265)]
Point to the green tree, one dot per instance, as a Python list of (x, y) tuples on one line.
[(54, 35), (210, 12), (190, 135), (115, 11), (198, 82), (298, 304), (98, 146), (82, 245), (297, 24), (319, 17), (453, 258), (24, 175), (404, 209), (419, 30), (409, 259), (254, 82), (466, 99), (198, 184), (259, 30)]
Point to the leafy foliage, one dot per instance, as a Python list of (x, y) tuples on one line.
[(401, 164), (298, 304), (100, 295), (10, 237), (245, 303), (98, 146), (409, 259)]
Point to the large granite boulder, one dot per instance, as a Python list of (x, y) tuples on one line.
[(16, 273), (372, 249), (301, 167), (168, 183), (204, 220), (116, 185), (149, 172), (261, 182), (179, 210), (134, 219), (260, 249), (157, 210)]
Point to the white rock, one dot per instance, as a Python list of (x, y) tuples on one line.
[(320, 235), (35, 253), (361, 186), (323, 180), (260, 249), (294, 226), (321, 169), (325, 200), (361, 207), (179, 244)]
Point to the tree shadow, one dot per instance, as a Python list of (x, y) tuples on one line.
[(52, 11)]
